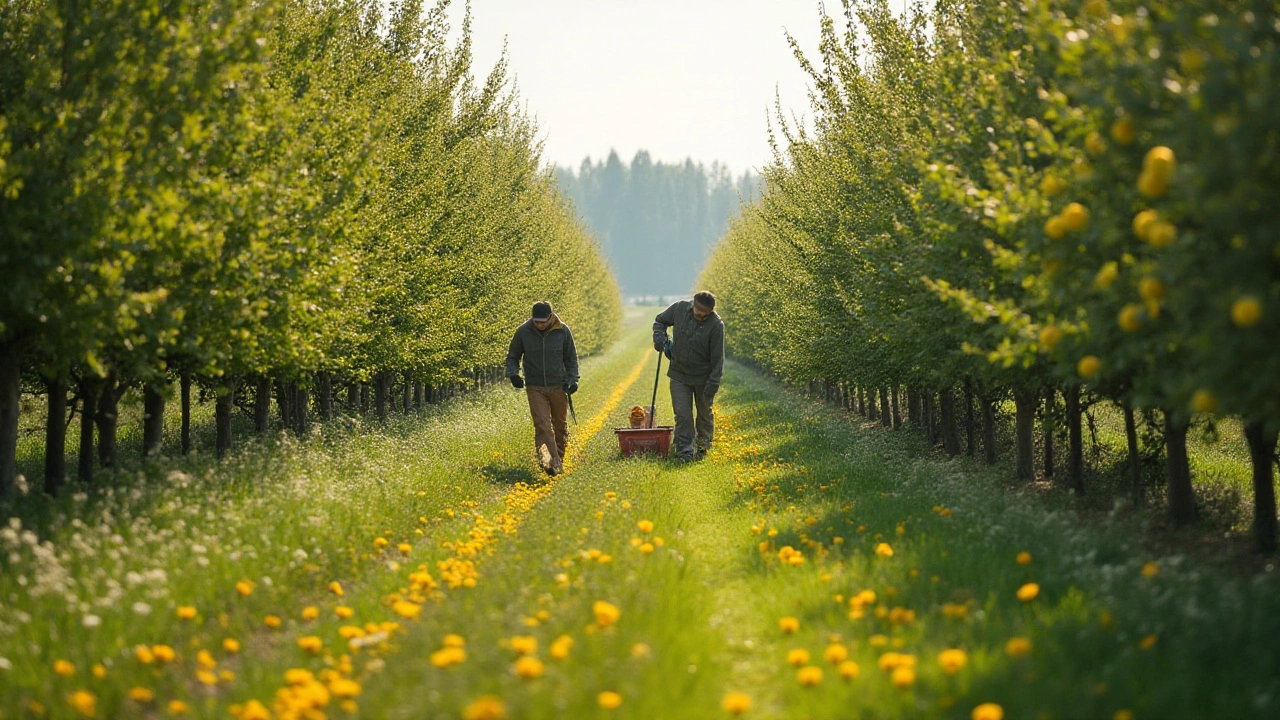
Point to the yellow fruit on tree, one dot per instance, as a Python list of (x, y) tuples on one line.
[(1161, 234), (1151, 289), (1151, 185), (1095, 144), (1142, 222), (1051, 185), (1123, 131), (1246, 311), (1050, 335), (1203, 401), (1089, 366), (1055, 227), (1130, 318), (1160, 162), (1107, 276), (1076, 216)]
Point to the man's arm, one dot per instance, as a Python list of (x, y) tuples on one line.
[(664, 320), (717, 359), (570, 357), (514, 353)]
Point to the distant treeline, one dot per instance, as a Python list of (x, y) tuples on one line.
[(656, 221)]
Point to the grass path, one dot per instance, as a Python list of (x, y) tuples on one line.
[(808, 568)]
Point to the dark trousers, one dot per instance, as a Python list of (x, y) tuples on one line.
[(692, 435), (549, 406)]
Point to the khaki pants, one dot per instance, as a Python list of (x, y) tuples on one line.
[(548, 407), (684, 398)]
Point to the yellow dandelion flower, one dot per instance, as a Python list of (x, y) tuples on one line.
[(380, 542), (1017, 647), (798, 657), (1150, 570), (244, 587), (206, 677), (878, 641), (311, 612), (405, 549), (952, 661), (186, 612), (99, 671), (231, 645), (344, 688), (988, 711), (609, 700), (84, 702), (560, 647), (254, 710), (809, 676), (1147, 642), (272, 621), (1122, 715), (903, 677), (528, 667), (343, 612), (335, 587), (162, 653), (64, 668), (311, 644), (836, 653), (524, 644), (1024, 558), (646, 526), (884, 550), (144, 654), (448, 657), (606, 613), (848, 669), (789, 624), (1028, 592), (736, 703), (487, 707), (177, 707), (406, 609), (646, 548), (453, 640), (141, 694)]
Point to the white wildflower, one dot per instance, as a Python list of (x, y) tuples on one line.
[(91, 621), (142, 608)]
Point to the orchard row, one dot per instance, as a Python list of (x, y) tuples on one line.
[(301, 196), (1027, 199)]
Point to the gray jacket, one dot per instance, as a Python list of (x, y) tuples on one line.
[(550, 358), (697, 348)]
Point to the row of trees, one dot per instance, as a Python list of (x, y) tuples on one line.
[(656, 221), (230, 193), (1030, 200)]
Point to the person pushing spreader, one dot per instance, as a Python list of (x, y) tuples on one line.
[(696, 350)]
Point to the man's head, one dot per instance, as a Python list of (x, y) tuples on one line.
[(541, 315), (704, 303)]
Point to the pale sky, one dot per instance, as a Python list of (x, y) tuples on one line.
[(679, 78)]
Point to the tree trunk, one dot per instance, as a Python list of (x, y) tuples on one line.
[(1182, 502), (873, 411), (1075, 442), (326, 396), (896, 407), (184, 389), (284, 397), (419, 396), (913, 407), (364, 398), (950, 428), (301, 408), (408, 394), (88, 411), (108, 414), (10, 397), (381, 388), (262, 405), (1262, 451), (858, 405), (1024, 424), (1047, 422), (970, 427), (55, 437), (989, 452), (1135, 461), (223, 407), (353, 397), (886, 418), (926, 415), (152, 421)]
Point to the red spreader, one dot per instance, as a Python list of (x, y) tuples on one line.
[(650, 439)]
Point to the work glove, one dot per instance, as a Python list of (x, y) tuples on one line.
[(666, 349), (658, 345), (571, 387), (517, 382), (711, 391)]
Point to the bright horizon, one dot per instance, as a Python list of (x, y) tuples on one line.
[(678, 78)]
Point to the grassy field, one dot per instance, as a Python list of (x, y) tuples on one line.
[(810, 567)]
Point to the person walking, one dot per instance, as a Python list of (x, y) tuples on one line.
[(696, 350), (550, 363)]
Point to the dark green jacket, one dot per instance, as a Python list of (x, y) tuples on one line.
[(697, 348), (550, 358)]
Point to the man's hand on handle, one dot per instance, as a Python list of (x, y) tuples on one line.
[(571, 387), (517, 382)]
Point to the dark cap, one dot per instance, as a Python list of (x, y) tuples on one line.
[(541, 311)]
